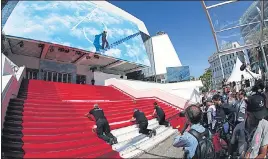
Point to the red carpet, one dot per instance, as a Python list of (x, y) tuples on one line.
[(56, 129)]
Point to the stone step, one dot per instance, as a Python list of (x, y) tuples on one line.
[(147, 144), (164, 150)]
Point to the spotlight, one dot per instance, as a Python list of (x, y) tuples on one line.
[(40, 45), (96, 56), (78, 53), (61, 49)]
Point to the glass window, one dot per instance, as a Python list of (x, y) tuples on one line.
[(55, 76), (64, 79), (69, 78), (59, 77), (45, 75), (49, 76), (35, 74)]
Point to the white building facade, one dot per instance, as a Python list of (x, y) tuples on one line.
[(221, 65), (163, 55)]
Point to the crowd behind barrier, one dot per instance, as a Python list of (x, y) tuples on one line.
[(238, 100)]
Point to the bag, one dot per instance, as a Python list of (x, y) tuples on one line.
[(205, 148)]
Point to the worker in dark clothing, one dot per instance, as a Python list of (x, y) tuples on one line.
[(105, 43), (161, 117), (221, 118), (142, 121), (103, 127)]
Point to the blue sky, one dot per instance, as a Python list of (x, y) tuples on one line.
[(187, 26)]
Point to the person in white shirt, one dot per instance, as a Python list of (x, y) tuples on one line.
[(211, 113), (241, 107)]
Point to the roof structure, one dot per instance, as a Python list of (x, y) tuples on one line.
[(61, 53), (245, 22)]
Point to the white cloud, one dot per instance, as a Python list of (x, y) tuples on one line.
[(92, 31), (52, 27), (22, 26), (77, 5), (103, 16), (45, 6), (146, 62), (59, 20), (66, 44), (120, 32), (92, 49), (113, 52), (77, 33), (132, 50)]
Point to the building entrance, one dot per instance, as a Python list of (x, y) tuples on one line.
[(57, 77), (32, 73)]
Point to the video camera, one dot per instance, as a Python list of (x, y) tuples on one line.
[(259, 83), (182, 114)]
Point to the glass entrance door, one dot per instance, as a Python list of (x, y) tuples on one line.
[(31, 73), (57, 77)]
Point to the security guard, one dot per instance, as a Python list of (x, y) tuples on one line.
[(142, 121), (103, 127), (161, 117)]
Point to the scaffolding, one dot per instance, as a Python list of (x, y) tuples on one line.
[(241, 22)]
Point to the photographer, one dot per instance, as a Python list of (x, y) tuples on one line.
[(197, 141)]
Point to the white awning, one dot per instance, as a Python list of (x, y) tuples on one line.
[(236, 73)]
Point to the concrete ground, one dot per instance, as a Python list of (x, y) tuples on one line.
[(164, 150)]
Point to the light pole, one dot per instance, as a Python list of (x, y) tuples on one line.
[(221, 67)]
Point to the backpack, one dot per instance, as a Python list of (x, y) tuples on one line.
[(205, 148)]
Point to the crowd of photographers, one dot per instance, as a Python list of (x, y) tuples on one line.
[(236, 121)]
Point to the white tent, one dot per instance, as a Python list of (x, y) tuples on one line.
[(236, 73)]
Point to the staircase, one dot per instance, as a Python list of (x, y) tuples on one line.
[(12, 132), (41, 124), (132, 144)]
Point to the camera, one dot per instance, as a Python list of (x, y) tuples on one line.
[(259, 86)]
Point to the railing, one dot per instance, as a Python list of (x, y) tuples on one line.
[(8, 67), (172, 99), (12, 76), (164, 101)]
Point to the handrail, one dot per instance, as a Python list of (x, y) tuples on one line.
[(154, 97), (158, 90), (152, 82), (6, 87), (136, 93), (8, 67)]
